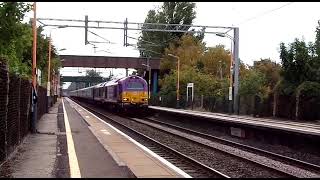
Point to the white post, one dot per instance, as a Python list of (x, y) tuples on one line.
[(236, 71), (187, 94), (201, 101)]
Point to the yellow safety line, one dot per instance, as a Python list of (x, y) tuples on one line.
[(161, 159), (73, 160)]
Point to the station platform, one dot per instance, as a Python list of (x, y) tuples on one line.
[(101, 150), (71, 142), (308, 128)]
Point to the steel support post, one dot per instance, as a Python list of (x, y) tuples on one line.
[(236, 71)]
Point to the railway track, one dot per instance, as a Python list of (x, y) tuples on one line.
[(269, 154), (189, 165), (273, 170), (188, 153), (226, 164)]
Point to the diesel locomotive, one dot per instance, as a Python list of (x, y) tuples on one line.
[(124, 93)]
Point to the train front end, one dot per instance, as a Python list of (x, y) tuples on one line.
[(134, 92)]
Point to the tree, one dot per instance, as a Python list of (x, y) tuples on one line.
[(301, 73), (189, 51), (11, 14), (270, 69), (217, 61), (93, 77), (154, 43), (16, 41), (14, 36), (294, 61), (92, 73), (253, 84), (204, 84)]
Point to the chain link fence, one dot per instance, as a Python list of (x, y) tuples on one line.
[(250, 105), (15, 109), (284, 107), (200, 103)]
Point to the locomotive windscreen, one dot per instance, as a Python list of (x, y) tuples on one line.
[(135, 86)]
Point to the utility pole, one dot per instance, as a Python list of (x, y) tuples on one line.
[(86, 30), (236, 70), (149, 67), (34, 69), (48, 83), (125, 31)]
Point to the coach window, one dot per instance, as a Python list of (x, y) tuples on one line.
[(100, 91), (115, 91)]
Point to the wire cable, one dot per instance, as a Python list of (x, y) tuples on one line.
[(264, 13), (102, 37)]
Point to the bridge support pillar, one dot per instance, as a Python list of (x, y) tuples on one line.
[(155, 82)]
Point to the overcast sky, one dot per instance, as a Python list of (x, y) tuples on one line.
[(262, 26)]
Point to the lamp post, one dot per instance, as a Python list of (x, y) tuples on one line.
[(49, 66), (149, 83), (231, 70), (178, 69), (234, 68)]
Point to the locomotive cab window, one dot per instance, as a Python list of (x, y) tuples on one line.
[(135, 85)]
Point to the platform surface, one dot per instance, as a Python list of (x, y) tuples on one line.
[(119, 146), (92, 158), (310, 128)]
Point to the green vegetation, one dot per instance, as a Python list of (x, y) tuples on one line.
[(297, 77), (195, 67), (16, 42), (154, 43), (209, 67)]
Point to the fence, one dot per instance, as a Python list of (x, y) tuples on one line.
[(15, 110), (204, 103), (285, 106)]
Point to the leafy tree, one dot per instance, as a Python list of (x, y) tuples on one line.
[(13, 35), (271, 71), (92, 73), (194, 65), (154, 43), (11, 14), (189, 51), (294, 61), (300, 63), (314, 64), (16, 41), (217, 61), (253, 84), (204, 84), (300, 73)]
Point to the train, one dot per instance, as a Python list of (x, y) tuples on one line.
[(118, 94)]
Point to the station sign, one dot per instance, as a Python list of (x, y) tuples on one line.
[(190, 85)]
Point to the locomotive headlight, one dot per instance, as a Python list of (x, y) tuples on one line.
[(125, 99)]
